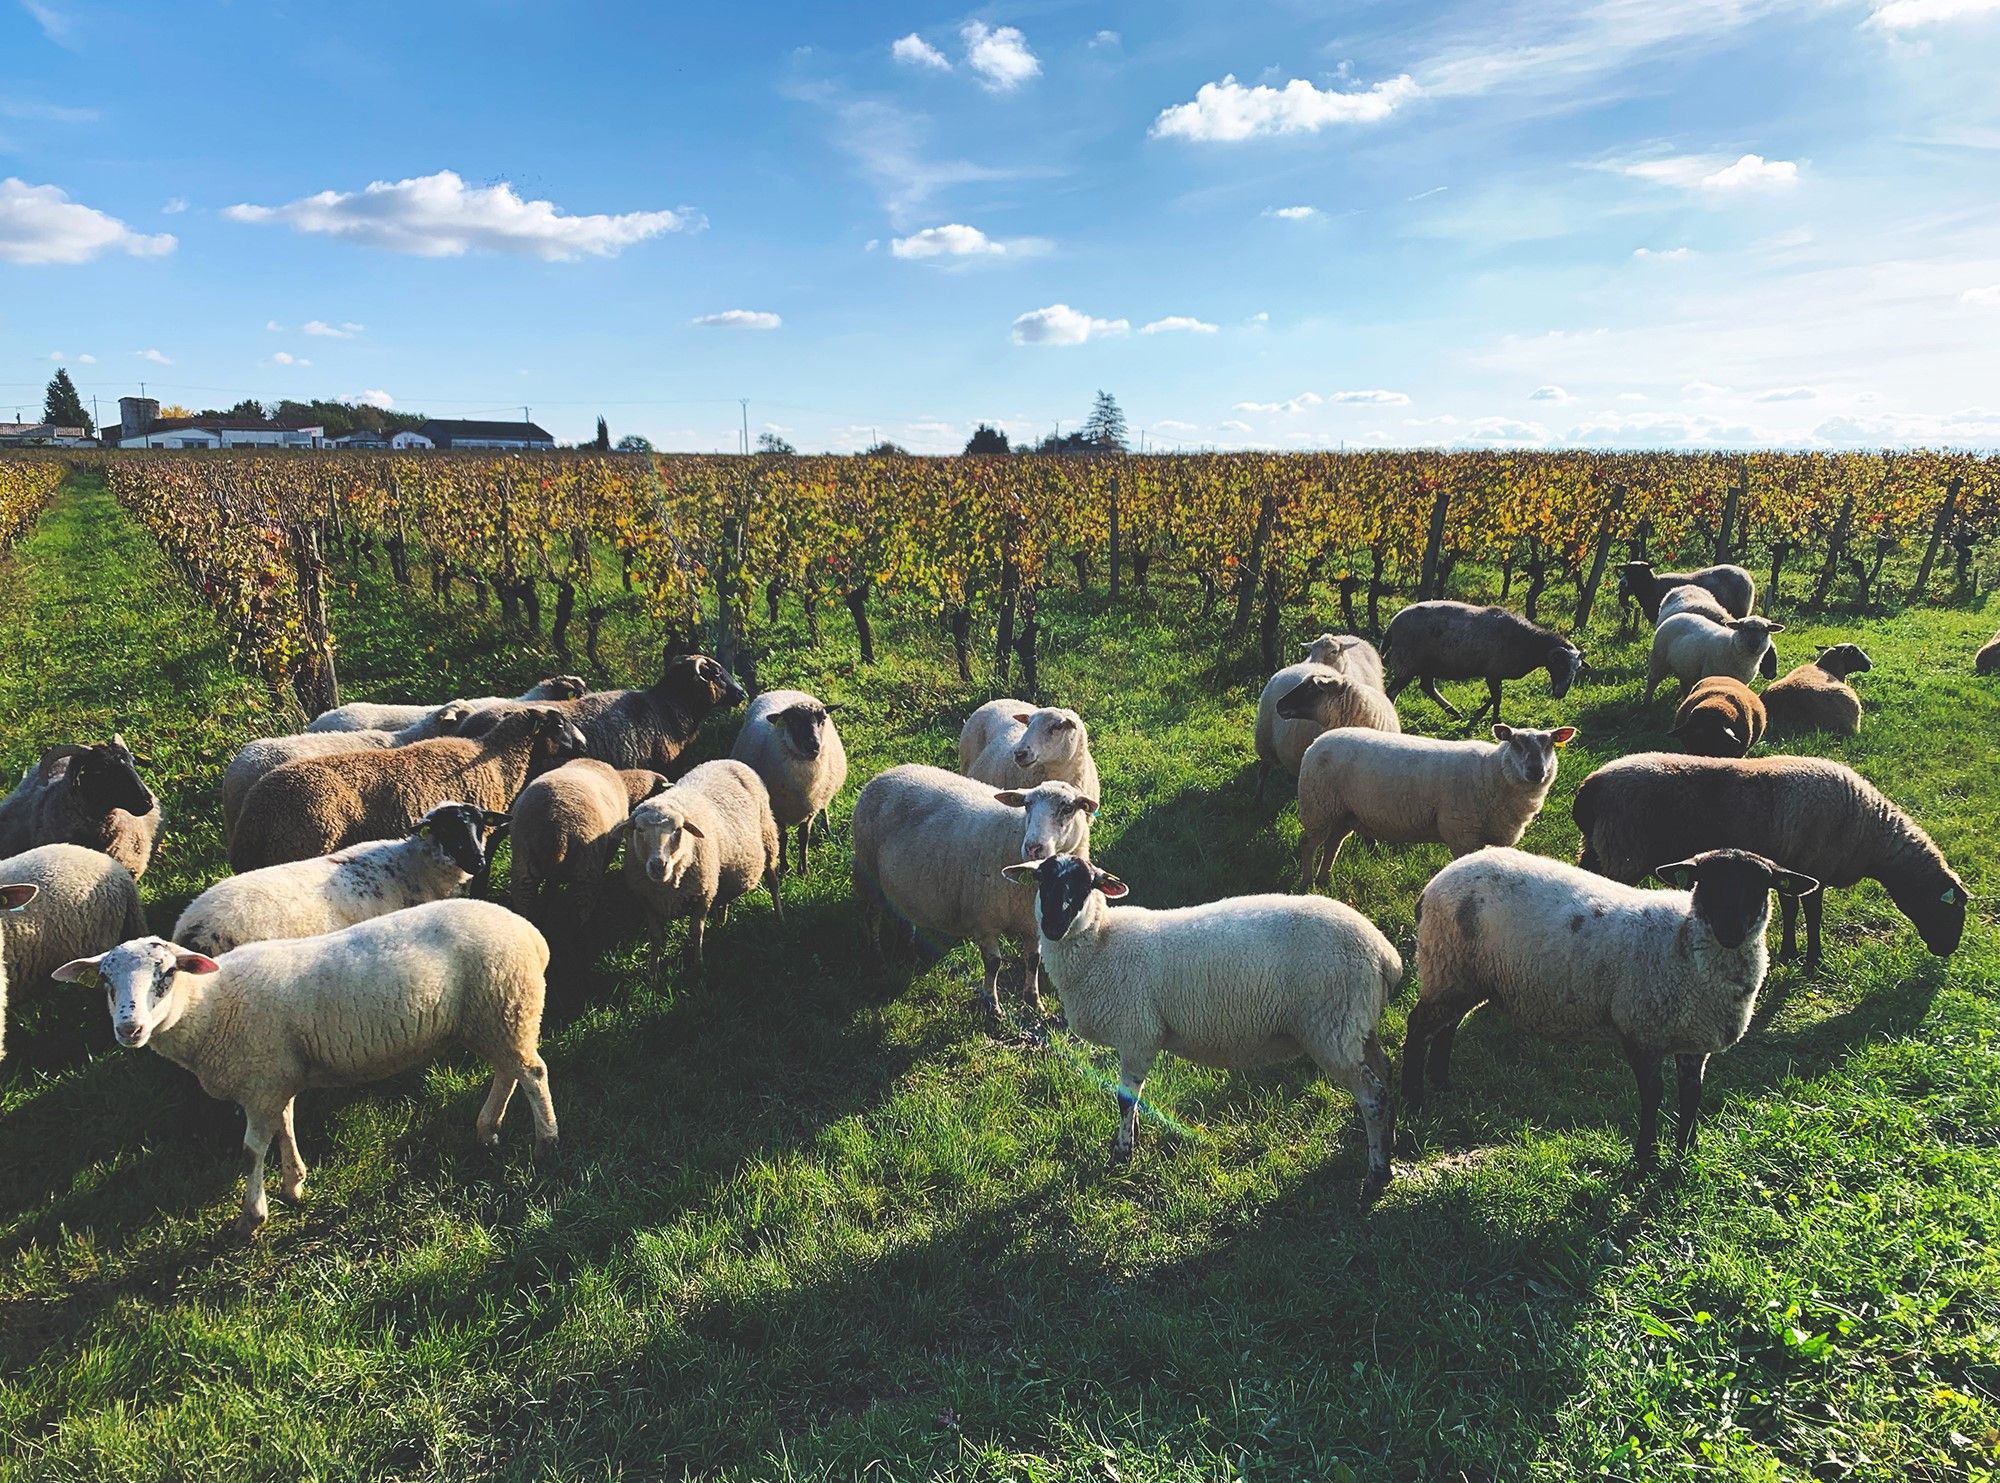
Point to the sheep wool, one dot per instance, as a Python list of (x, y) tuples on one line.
[(1335, 698), (1721, 717), (696, 847), (425, 722), (72, 901), (567, 826), (1011, 744), (1441, 640), (1688, 598), (1690, 647), (84, 795), (1816, 696), (267, 753), (790, 740), (1731, 586), (1987, 660)]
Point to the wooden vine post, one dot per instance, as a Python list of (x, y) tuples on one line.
[(1938, 528), (1606, 527), (1428, 581), (314, 680)]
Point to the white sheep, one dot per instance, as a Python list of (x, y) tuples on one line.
[(1691, 647), (84, 902), (1357, 700), (567, 825), (1406, 789), (1688, 598), (1012, 744), (928, 848), (697, 846), (1235, 983), (790, 740), (364, 715), (261, 1024), (1574, 956), (303, 898)]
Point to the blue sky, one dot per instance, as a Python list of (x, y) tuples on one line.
[(1612, 222)]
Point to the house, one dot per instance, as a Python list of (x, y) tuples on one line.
[(445, 432), (361, 437), (43, 435), (408, 439), (224, 432)]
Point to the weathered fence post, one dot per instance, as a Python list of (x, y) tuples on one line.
[(1433, 544)]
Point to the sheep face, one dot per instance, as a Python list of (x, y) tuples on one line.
[(663, 838), (1053, 736), (457, 834), (1844, 660), (1057, 819), (1327, 649), (103, 778), (1708, 732), (1303, 701), (801, 727), (1565, 663), (555, 739), (1936, 905), (1633, 578), (141, 980), (700, 683), (1529, 757), (1732, 891), (1063, 887), (1754, 628), (561, 687)]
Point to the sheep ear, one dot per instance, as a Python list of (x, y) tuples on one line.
[(79, 970), (1564, 735), (1012, 797), (189, 962), (1503, 733), (688, 826), (1088, 805), (1022, 874), (1730, 732), (1113, 888), (1777, 628), (1679, 875), (495, 821), (1791, 883), (1024, 717), (660, 785), (13, 898)]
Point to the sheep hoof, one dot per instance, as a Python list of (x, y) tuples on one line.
[(295, 1195), (1121, 1154), (247, 1225), (546, 1150)]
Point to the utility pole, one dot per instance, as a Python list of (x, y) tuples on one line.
[(745, 402)]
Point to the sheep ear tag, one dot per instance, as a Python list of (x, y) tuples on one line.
[(13, 898), (1564, 736), (1950, 897)]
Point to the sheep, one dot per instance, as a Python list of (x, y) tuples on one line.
[(1573, 956), (791, 742), (1342, 696), (264, 1022), (362, 715), (1351, 655), (304, 898), (84, 902), (567, 825), (695, 847), (641, 728), (1690, 647), (1688, 598), (1236, 983), (1432, 641), (1463, 794), (84, 795), (1814, 815), (321, 804), (1721, 717), (1987, 660), (1732, 586), (928, 847), (267, 753), (1011, 744), (1816, 695)]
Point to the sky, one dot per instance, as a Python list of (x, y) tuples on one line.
[(1507, 223)]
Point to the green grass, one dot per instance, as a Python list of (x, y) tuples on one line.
[(815, 1223)]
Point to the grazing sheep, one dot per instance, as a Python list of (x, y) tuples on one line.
[(641, 728), (567, 825), (1690, 647), (362, 715), (321, 804), (1234, 984), (1348, 653), (698, 845), (304, 898), (263, 1023), (790, 740), (1816, 695), (1732, 586), (268, 753), (1817, 816), (1688, 598), (1321, 698), (1573, 956), (1721, 717), (84, 902), (84, 795), (1987, 660), (1432, 641), (929, 845), (1011, 744), (1463, 794)]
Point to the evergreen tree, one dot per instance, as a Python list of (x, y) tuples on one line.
[(603, 443), (633, 443), (772, 443), (1105, 427), (62, 406), (986, 439)]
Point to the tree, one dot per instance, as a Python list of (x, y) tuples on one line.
[(1105, 427), (772, 443), (248, 407), (633, 443), (986, 439), (174, 410), (886, 449), (62, 406), (603, 443)]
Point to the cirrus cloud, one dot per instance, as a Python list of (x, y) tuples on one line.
[(1907, 15), (1374, 397), (738, 319), (1058, 324), (40, 225), (1228, 112)]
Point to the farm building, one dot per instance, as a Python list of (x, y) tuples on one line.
[(222, 432), (444, 432)]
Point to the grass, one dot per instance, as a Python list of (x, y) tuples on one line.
[(815, 1223)]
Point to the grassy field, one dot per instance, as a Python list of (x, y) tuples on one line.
[(810, 1222)]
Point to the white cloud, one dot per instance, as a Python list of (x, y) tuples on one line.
[(57, 355), (154, 356), (175, 206), (1714, 174), (1105, 38), (1228, 111), (1663, 254), (1905, 15), (1233, 426), (1662, 430), (1502, 432), (56, 25), (286, 358), (274, 327), (374, 398), (1177, 323), (440, 216), (346, 330), (1704, 389), (913, 51), (888, 144), (999, 55), (86, 360), (1175, 425), (1983, 298), (1372, 398), (1299, 403), (1262, 316), (1973, 426), (1787, 394), (40, 224), (1631, 396), (958, 241), (1549, 394), (738, 319), (1292, 213), (1059, 324)]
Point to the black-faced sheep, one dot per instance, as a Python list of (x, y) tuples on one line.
[(642, 728), (1311, 699), (789, 738), (84, 795), (1721, 717), (1816, 696), (1732, 586), (1432, 641)]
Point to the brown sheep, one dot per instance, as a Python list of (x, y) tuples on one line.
[(567, 824), (1721, 717), (84, 795), (640, 728), (1988, 660), (1816, 696)]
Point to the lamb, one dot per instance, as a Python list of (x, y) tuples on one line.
[(362, 715), (1576, 957), (697, 846), (1011, 744), (1987, 660), (790, 740), (1816, 696), (1732, 586), (1234, 984), (1814, 815), (305, 898), (1691, 647), (928, 848), (262, 1023), (1338, 697), (1463, 794), (84, 902), (567, 825), (1688, 598), (1721, 717), (321, 804), (1432, 641), (84, 795)]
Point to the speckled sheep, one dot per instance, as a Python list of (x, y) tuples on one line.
[(1406, 789), (567, 826), (1301, 701), (1816, 695), (697, 846), (1731, 586), (929, 846), (791, 742), (1574, 956), (1236, 983), (1690, 647), (259, 1025), (1432, 641), (84, 795), (1816, 816), (1721, 717), (60, 901), (1011, 744), (363, 715)]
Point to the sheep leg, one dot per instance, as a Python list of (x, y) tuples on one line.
[(697, 922), (1397, 685), (1369, 1082), (260, 1125), (1427, 1042), (771, 884), (291, 1168), (534, 1077), (1788, 945), (1133, 1067), (1813, 905), (1690, 1069), (1263, 777), (1430, 687), (1031, 979), (1654, 674), (1652, 1087), (989, 992), (805, 843), (497, 1098), (1493, 699)]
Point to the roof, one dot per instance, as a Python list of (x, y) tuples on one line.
[(448, 429), (228, 425)]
